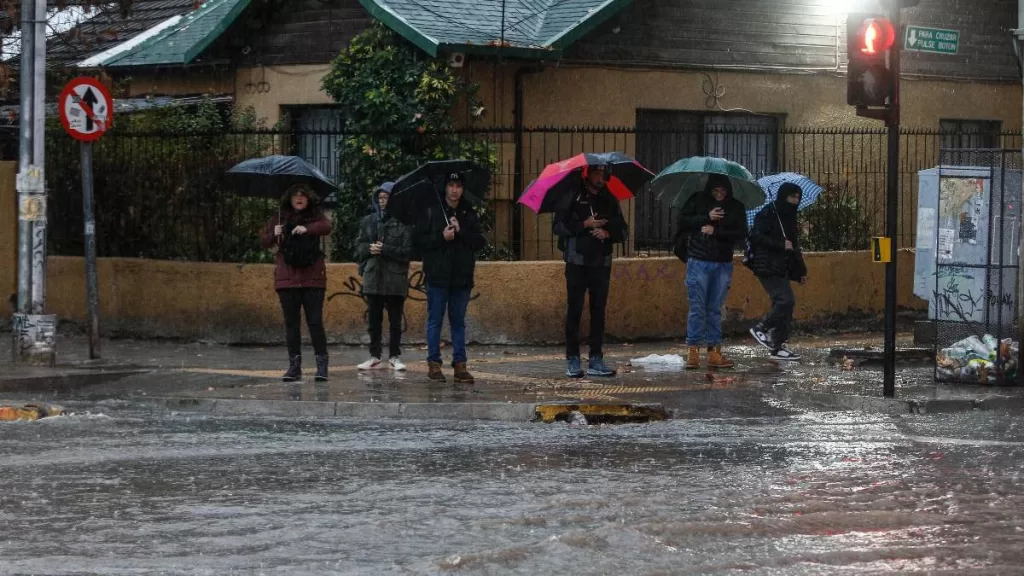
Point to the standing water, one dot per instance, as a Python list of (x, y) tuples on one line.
[(134, 492)]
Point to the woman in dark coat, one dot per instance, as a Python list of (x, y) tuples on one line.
[(300, 275), (776, 261), (383, 251)]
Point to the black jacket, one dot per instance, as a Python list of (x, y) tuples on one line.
[(575, 241), (729, 232), (769, 256), (449, 264)]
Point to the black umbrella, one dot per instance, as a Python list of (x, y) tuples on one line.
[(424, 185), (271, 176)]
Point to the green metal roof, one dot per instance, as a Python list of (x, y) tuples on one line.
[(532, 28), (181, 42)]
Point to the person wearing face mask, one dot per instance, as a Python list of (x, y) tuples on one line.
[(383, 251), (448, 235), (587, 228), (714, 223), (776, 261)]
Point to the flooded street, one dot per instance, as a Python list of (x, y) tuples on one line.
[(128, 491)]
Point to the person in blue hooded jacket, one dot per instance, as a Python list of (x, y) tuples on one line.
[(383, 251)]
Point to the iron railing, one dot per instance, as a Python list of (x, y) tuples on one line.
[(166, 195)]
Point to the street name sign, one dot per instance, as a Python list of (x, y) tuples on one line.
[(934, 40)]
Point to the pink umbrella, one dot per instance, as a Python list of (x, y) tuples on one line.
[(554, 186)]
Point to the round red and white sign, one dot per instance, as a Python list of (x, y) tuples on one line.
[(86, 109)]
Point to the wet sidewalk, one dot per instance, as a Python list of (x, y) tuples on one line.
[(511, 381)]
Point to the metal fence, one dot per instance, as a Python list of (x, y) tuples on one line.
[(166, 195)]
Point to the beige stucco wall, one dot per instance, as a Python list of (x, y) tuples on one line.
[(567, 95), (515, 302), (282, 86)]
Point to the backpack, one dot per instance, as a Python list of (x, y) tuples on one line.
[(301, 251), (681, 245)]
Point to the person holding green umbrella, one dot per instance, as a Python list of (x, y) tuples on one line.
[(713, 222), (713, 195)]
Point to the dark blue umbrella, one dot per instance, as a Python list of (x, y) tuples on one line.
[(271, 176)]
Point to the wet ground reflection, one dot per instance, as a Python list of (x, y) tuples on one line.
[(130, 492)]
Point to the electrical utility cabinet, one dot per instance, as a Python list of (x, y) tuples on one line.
[(968, 232)]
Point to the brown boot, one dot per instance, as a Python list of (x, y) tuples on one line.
[(462, 375), (434, 372), (716, 360), (693, 358)]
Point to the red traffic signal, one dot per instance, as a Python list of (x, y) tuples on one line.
[(875, 36), (870, 40)]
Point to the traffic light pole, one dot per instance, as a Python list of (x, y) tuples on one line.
[(892, 209)]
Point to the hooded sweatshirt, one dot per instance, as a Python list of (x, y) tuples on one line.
[(386, 274), (729, 231), (773, 225)]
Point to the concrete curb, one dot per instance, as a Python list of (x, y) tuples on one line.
[(527, 412), (65, 381), (493, 411), (898, 406)]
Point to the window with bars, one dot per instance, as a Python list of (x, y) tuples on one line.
[(664, 136), (970, 133), (316, 131)]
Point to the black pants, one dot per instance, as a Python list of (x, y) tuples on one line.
[(579, 280), (777, 320), (293, 301), (375, 307)]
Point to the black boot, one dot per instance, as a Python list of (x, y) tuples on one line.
[(294, 369), (321, 368)]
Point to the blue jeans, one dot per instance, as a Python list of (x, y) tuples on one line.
[(455, 301), (707, 284)]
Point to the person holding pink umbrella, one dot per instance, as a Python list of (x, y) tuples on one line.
[(584, 194)]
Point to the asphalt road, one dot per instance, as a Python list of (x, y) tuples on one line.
[(121, 489)]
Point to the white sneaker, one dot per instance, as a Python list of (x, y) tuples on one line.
[(785, 354), (371, 364), (397, 364), (762, 337)]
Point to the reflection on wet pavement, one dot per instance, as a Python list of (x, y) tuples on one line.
[(129, 491)]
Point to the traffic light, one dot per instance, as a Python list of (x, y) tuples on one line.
[(869, 76)]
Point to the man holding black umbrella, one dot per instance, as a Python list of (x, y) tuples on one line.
[(587, 227), (448, 235)]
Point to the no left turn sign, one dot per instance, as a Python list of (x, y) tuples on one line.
[(86, 109)]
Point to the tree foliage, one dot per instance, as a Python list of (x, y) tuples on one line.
[(399, 107), (838, 220)]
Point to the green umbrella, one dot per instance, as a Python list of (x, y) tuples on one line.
[(676, 184)]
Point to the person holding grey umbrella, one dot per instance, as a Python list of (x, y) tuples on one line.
[(300, 275), (383, 251)]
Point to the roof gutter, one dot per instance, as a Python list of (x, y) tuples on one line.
[(517, 180)]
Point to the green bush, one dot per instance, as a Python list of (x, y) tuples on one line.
[(838, 220), (399, 108)]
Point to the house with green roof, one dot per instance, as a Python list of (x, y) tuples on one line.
[(664, 71)]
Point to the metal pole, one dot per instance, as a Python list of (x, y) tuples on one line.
[(1020, 249), (25, 156), (891, 211), (39, 157), (92, 294)]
